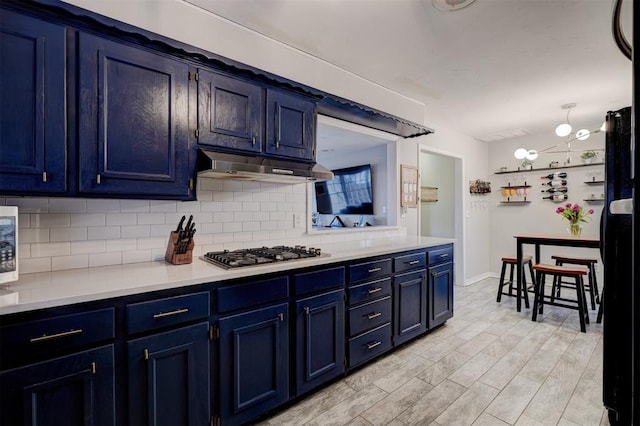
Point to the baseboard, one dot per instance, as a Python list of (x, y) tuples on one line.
[(480, 277)]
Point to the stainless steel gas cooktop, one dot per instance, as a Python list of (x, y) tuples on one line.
[(260, 256)]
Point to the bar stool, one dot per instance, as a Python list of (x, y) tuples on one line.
[(559, 272), (511, 261), (592, 287)]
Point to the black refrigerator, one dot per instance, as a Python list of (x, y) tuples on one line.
[(620, 247)]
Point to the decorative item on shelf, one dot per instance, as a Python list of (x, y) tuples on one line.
[(516, 193), (428, 194), (553, 164), (576, 215), (180, 245), (588, 156), (409, 178), (479, 187)]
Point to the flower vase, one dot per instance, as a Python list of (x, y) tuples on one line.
[(575, 229)]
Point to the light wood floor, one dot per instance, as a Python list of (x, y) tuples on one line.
[(488, 365)]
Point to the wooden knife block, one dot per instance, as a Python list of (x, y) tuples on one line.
[(172, 246)]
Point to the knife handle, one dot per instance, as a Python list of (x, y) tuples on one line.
[(179, 228)]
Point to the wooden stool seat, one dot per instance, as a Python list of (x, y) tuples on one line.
[(592, 284), (511, 261), (559, 272)]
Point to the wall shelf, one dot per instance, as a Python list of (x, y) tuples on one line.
[(515, 186), (593, 200), (594, 182), (548, 168), (515, 202)]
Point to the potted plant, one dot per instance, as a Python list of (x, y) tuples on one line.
[(588, 156)]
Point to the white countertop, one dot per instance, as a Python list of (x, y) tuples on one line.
[(51, 289)]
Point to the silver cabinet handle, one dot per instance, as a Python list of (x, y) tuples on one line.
[(375, 290), (444, 255), (374, 270), (281, 316), (55, 336), (168, 314), (374, 315), (373, 345), (413, 262)]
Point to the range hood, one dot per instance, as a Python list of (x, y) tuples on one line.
[(218, 165)]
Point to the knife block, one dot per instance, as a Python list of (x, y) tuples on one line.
[(171, 254)]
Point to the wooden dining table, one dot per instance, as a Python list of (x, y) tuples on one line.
[(565, 240)]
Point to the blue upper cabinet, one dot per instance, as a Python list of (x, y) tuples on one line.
[(32, 105), (291, 126), (133, 121), (230, 113)]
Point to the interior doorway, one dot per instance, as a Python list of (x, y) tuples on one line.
[(441, 213)]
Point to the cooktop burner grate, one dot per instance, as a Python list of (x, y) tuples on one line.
[(259, 256)]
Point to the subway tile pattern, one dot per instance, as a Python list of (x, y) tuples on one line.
[(488, 365), (69, 233)]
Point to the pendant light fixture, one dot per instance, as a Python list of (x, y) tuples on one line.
[(564, 129)]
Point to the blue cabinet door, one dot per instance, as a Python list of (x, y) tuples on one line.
[(75, 389), (410, 306), (254, 363), (230, 113), (319, 339), (32, 105), (440, 293), (291, 126), (133, 121), (169, 378)]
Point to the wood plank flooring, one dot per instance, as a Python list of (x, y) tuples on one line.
[(488, 365)]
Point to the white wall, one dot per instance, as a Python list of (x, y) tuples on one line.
[(437, 219)]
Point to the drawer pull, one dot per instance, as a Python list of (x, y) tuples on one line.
[(373, 345), (375, 290), (55, 336), (374, 315), (145, 354), (374, 270), (413, 262), (281, 316), (170, 313), (443, 255), (93, 368)]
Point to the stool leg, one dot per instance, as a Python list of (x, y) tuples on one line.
[(541, 278), (536, 296), (600, 308), (511, 279), (501, 284), (591, 292), (525, 294), (581, 303), (592, 270)]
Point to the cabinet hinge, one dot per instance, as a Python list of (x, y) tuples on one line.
[(193, 76), (196, 133), (214, 332), (44, 176)]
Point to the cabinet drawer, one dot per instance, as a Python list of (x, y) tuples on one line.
[(56, 334), (369, 315), (369, 291), (440, 254), (369, 345), (409, 262), (369, 270), (325, 279), (159, 313), (251, 294)]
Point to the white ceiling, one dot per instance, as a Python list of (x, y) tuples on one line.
[(493, 67)]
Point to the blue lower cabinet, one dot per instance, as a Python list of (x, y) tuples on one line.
[(169, 378), (319, 339), (254, 363), (410, 306), (440, 293), (76, 389)]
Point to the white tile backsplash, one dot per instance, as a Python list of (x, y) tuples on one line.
[(67, 233)]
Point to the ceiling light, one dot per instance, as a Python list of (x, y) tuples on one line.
[(451, 5), (563, 130), (520, 153), (583, 134), (532, 154)]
